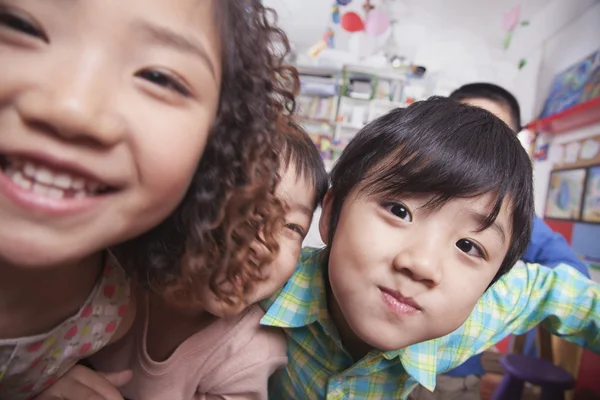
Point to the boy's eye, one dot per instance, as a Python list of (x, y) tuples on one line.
[(400, 211), (296, 229), (467, 246), (21, 24), (164, 80)]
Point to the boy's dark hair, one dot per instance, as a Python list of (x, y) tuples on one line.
[(299, 152), (231, 201), (495, 93), (442, 147)]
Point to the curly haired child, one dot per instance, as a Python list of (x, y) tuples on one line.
[(217, 349), (132, 133)]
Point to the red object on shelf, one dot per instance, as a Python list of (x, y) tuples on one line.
[(578, 116)]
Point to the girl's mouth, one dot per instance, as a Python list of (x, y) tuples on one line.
[(48, 181)]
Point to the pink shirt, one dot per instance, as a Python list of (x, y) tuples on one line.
[(231, 358)]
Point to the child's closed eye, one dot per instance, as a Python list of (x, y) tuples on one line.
[(471, 248), (21, 24), (164, 80), (296, 230)]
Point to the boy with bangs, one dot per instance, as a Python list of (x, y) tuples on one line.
[(423, 223), (545, 247)]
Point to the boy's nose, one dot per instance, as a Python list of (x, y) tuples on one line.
[(420, 260), (75, 105)]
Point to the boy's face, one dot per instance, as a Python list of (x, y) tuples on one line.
[(401, 274), (105, 109), (299, 197)]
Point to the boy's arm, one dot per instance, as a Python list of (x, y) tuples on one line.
[(549, 248), (565, 303)]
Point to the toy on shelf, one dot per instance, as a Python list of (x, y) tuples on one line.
[(335, 13), (327, 41)]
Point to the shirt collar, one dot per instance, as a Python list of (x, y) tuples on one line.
[(419, 360), (303, 298)]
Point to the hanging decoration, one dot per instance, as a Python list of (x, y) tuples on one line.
[(327, 41), (510, 22), (352, 22), (368, 6), (335, 13), (376, 23), (329, 37)]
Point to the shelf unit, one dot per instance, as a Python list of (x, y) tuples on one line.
[(578, 116), (334, 104), (365, 95)]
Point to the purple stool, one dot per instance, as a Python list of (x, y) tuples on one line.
[(553, 380)]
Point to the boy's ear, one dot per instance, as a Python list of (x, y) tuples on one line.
[(325, 216)]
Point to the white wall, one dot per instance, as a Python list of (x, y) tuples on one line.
[(558, 35), (573, 42), (569, 45)]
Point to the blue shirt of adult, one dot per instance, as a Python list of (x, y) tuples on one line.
[(548, 248)]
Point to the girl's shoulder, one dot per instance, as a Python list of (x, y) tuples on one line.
[(243, 363)]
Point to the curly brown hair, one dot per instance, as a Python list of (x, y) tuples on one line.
[(231, 201)]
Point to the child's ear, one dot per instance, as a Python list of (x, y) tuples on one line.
[(325, 217)]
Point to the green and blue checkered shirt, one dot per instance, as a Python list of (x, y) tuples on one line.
[(561, 299)]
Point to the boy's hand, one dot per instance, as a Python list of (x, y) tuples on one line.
[(81, 383)]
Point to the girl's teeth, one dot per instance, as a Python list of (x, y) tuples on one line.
[(21, 181), (62, 181), (78, 184), (47, 182), (29, 170), (45, 176), (56, 193), (40, 189)]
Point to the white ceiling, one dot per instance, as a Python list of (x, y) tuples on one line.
[(305, 21)]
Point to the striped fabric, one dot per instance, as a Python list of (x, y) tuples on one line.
[(561, 299)]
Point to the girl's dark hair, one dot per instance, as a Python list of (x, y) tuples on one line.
[(495, 93), (445, 148), (231, 201)]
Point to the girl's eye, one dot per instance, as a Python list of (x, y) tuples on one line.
[(470, 248), (400, 211), (22, 25), (164, 80), (296, 229)]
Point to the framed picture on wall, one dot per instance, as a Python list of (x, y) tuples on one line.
[(565, 194), (591, 198)]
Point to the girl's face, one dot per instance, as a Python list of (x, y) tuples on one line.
[(105, 108)]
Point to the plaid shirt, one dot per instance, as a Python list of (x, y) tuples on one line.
[(320, 368)]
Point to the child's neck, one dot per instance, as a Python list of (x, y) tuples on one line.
[(352, 343), (33, 301)]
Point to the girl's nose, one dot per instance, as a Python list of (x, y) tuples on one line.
[(75, 103)]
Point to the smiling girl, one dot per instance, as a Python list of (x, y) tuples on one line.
[(130, 133)]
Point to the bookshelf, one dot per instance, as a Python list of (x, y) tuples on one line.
[(334, 104)]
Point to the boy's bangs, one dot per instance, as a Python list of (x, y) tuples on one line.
[(443, 169)]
